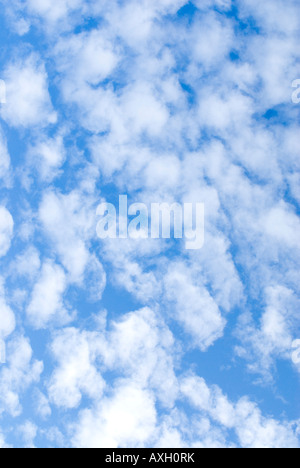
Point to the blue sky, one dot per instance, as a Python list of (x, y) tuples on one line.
[(142, 343)]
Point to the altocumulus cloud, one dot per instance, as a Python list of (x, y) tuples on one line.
[(132, 342)]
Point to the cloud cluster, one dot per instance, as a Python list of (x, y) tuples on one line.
[(6, 230), (133, 341), (4, 161), (27, 93)]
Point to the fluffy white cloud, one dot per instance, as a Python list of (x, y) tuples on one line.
[(62, 216), (283, 226), (27, 264), (126, 419), (273, 336), (284, 18), (138, 346), (104, 425), (28, 101), (50, 12), (42, 408), (252, 429), (47, 156), (46, 304), (223, 113), (69, 221), (86, 58), (6, 230), (129, 273), (134, 21), (20, 372), (2, 442), (212, 42), (141, 346), (7, 317), (178, 430), (28, 432), (145, 113), (76, 374), (194, 308), (203, 4), (163, 108), (4, 160)]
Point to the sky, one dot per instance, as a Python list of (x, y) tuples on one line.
[(122, 343)]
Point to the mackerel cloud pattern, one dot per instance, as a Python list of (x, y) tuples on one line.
[(140, 342)]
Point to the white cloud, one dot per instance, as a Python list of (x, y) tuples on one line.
[(194, 308), (164, 6), (159, 110), (273, 336), (209, 400), (223, 113), (28, 101), (179, 430), (140, 345), (76, 374), (162, 171), (212, 41), (134, 21), (62, 216), (27, 264), (3, 445), (46, 303), (20, 372), (283, 226), (42, 405), (203, 4), (50, 12), (129, 273), (257, 431), (6, 230), (7, 317), (4, 160), (28, 432), (252, 429), (282, 19), (48, 155), (69, 221), (127, 419), (86, 58), (144, 112), (137, 345)]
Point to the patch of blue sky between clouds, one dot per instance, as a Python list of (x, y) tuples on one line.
[(126, 343)]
